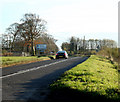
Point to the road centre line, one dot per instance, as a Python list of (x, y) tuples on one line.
[(35, 68)]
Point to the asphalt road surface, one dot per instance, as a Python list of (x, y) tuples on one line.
[(31, 81)]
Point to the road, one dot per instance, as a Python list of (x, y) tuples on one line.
[(31, 81)]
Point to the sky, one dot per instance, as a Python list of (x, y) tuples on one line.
[(94, 19)]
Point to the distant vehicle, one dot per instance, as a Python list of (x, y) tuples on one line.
[(61, 54)]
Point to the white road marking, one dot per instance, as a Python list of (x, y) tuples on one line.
[(35, 68)]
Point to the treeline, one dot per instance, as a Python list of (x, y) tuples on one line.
[(24, 36), (106, 47), (77, 45)]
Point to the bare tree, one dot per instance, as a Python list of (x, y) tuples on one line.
[(91, 43), (73, 42), (31, 28), (12, 31), (65, 46)]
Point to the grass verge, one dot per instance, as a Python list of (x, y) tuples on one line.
[(16, 60), (95, 80)]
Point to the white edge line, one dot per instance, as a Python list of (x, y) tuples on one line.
[(35, 68)]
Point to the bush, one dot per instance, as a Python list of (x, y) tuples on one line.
[(93, 52), (6, 53), (110, 53)]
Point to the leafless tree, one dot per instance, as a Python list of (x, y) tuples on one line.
[(31, 28)]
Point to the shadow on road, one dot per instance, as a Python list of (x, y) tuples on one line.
[(36, 90)]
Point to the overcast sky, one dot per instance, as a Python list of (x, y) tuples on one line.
[(96, 19)]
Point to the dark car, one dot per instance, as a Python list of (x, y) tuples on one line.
[(61, 54)]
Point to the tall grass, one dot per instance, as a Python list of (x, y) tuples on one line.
[(110, 53)]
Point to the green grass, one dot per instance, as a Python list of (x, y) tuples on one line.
[(96, 76), (7, 61)]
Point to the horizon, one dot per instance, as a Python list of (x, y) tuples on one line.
[(65, 18)]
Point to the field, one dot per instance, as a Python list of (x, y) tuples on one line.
[(95, 79), (9, 61)]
